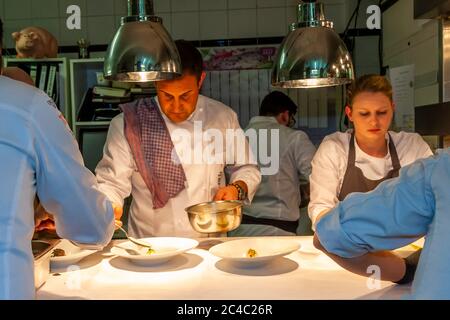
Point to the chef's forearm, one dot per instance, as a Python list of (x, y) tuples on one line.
[(250, 175), (242, 184), (391, 267)]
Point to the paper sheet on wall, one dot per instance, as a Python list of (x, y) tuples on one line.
[(402, 80)]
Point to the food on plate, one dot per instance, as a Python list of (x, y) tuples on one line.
[(150, 251), (251, 253), (58, 253)]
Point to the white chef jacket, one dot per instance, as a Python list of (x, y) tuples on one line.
[(278, 195), (118, 175), (330, 163), (38, 154), (398, 212)]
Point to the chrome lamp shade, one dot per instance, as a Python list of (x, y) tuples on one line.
[(142, 50), (312, 54)]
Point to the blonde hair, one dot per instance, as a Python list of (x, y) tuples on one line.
[(369, 83)]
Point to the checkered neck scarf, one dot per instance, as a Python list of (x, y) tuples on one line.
[(152, 147)]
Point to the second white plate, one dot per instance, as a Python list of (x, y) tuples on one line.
[(164, 248), (267, 249)]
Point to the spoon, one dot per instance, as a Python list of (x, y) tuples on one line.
[(134, 240)]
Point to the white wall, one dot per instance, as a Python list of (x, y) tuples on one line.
[(188, 19), (408, 41), (100, 18)]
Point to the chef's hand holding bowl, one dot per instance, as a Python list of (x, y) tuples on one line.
[(231, 192), (215, 216)]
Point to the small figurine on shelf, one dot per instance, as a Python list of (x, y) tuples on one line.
[(83, 45), (35, 42)]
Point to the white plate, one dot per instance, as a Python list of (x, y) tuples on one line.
[(266, 249), (309, 248), (165, 249), (73, 255)]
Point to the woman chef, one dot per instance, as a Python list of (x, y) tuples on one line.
[(360, 159)]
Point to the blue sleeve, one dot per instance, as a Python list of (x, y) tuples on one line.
[(396, 213), (64, 185)]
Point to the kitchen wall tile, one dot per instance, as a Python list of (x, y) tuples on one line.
[(70, 37), (167, 21), (272, 22), (64, 4), (101, 30), (213, 25), (366, 49), (45, 9), (336, 13), (291, 15), (213, 5), (100, 8), (10, 26), (17, 9), (270, 3), (242, 23), (292, 2), (161, 6), (185, 25), (241, 4), (120, 8), (184, 5)]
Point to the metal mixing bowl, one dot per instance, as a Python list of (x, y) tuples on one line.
[(215, 216)]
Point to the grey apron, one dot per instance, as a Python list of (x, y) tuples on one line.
[(354, 179)]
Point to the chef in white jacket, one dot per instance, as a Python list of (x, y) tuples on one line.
[(38, 155), (157, 151), (275, 210), (360, 159)]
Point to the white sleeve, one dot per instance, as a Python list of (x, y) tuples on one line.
[(304, 151), (115, 169), (324, 179), (422, 148), (64, 186), (245, 166)]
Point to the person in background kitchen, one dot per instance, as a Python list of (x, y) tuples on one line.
[(396, 213), (359, 159), (39, 156), (150, 148), (275, 209)]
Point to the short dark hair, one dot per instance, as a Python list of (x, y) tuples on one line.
[(191, 59), (275, 103), (369, 83)]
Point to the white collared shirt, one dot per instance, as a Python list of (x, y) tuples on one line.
[(330, 163), (118, 175), (278, 196)]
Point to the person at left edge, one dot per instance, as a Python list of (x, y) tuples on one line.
[(151, 152), (39, 156)]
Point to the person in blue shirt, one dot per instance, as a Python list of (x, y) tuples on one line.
[(40, 157), (398, 212)]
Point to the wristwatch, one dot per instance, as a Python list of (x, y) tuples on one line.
[(242, 195)]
